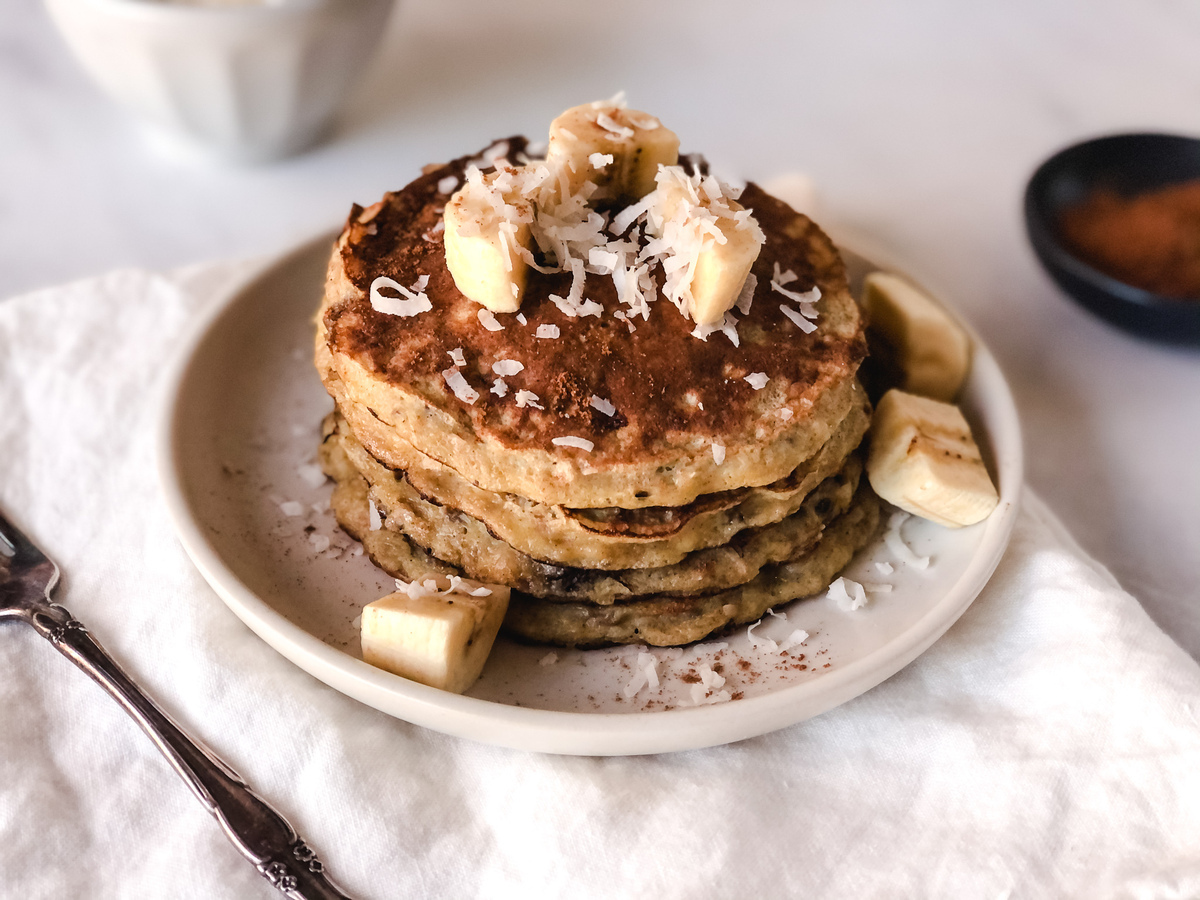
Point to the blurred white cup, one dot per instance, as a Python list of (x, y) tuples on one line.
[(246, 81)]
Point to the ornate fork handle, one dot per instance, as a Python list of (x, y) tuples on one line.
[(260, 833)]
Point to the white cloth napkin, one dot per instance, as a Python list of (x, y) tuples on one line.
[(1047, 746)]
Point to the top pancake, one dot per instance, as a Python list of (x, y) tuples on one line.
[(676, 396)]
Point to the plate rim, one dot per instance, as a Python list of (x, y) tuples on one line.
[(570, 732)]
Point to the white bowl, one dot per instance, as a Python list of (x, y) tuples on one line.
[(248, 82)]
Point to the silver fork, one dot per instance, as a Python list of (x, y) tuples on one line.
[(260, 833)]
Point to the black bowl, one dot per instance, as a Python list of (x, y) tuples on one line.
[(1129, 164)]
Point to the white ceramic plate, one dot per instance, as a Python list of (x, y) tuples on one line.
[(237, 446)]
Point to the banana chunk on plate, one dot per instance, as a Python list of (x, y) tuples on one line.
[(929, 348), (438, 631), (619, 150), (924, 460)]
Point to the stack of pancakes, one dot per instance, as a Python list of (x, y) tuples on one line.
[(628, 482)]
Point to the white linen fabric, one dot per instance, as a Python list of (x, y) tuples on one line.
[(1047, 746)]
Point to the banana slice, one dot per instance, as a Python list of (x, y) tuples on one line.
[(485, 227), (924, 460), (438, 631), (584, 137), (687, 217), (931, 351)]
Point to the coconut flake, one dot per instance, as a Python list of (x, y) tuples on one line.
[(320, 542), (487, 319), (458, 384), (376, 520), (291, 508), (617, 100), (311, 474), (605, 121), (528, 398), (793, 640), (848, 595), (760, 643), (456, 355), (786, 413), (708, 690), (757, 380), (507, 367), (499, 387), (448, 184), (409, 303), (547, 331), (884, 567), (895, 542), (718, 452), (799, 321), (521, 318), (571, 440), (549, 659), (602, 405), (427, 587), (600, 160)]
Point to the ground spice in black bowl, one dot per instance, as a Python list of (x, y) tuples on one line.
[(1150, 240)]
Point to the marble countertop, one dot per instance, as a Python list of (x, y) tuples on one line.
[(919, 124)]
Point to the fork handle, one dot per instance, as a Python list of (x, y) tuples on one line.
[(260, 833)]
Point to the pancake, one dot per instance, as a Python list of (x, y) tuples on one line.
[(459, 540), (610, 538), (658, 621), (676, 397)]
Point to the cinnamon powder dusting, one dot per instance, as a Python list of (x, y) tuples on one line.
[(1151, 240)]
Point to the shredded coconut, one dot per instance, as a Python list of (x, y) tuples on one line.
[(507, 367), (448, 184), (311, 474), (757, 380), (718, 452), (320, 542), (528, 398), (785, 413), (760, 643), (458, 384), (793, 640), (605, 121), (708, 690), (798, 320), (602, 405), (499, 387), (600, 160), (571, 440), (409, 303), (885, 568), (521, 318), (488, 320), (848, 595), (456, 355), (292, 508), (547, 331), (895, 542), (431, 586), (645, 674), (373, 513)]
